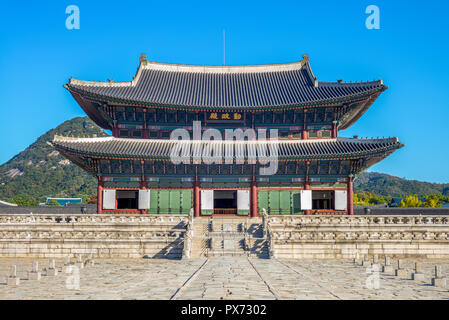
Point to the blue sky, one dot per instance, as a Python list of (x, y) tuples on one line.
[(410, 53)]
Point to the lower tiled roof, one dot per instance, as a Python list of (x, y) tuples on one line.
[(337, 148)]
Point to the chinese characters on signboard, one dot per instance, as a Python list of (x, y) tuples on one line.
[(224, 116)]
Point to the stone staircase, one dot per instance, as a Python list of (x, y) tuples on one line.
[(228, 236)]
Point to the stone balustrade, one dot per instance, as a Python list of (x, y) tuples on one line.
[(108, 236), (346, 236)]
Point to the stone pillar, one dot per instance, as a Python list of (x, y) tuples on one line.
[(307, 187), (100, 196), (196, 198), (254, 207), (350, 196)]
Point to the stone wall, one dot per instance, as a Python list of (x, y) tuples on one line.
[(104, 236), (331, 237)]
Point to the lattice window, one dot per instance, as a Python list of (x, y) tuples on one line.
[(119, 115), (130, 114), (279, 117), (189, 169), (123, 133), (214, 169), (335, 165), (137, 167), (296, 135), (313, 168), (345, 167), (151, 116), (139, 116), (249, 119), (136, 134), (104, 166), (313, 134), (324, 167), (226, 169), (126, 166), (148, 167), (289, 115), (160, 116), (320, 115), (181, 117), (180, 169), (202, 169), (159, 167), (281, 167), (171, 117), (301, 170), (299, 116), (291, 167), (169, 167), (190, 118), (247, 169), (268, 117), (115, 165)]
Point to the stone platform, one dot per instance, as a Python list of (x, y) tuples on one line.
[(219, 278)]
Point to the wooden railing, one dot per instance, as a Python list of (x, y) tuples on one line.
[(225, 211)]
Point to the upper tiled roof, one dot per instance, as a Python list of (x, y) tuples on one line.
[(287, 149), (202, 87)]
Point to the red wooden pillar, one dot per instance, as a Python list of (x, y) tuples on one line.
[(350, 196), (334, 129), (307, 187), (305, 134), (196, 198), (100, 196), (254, 209)]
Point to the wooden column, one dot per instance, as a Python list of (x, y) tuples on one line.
[(304, 134), (334, 129), (100, 196), (196, 198), (254, 209), (350, 196), (307, 187)]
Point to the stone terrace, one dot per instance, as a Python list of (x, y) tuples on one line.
[(220, 278)]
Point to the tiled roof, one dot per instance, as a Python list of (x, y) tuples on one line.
[(287, 149), (255, 86)]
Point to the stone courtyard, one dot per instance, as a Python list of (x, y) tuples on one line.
[(219, 278)]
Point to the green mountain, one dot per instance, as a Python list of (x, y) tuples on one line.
[(386, 185), (39, 171)]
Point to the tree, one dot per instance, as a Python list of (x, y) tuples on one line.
[(433, 201), (410, 201), (53, 203)]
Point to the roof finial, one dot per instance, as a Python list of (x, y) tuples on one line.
[(143, 58), (305, 57)]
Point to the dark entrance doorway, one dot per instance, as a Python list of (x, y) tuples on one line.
[(322, 200), (127, 199), (225, 202)]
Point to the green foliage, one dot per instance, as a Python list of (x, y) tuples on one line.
[(25, 201), (435, 201), (386, 185), (45, 173), (53, 203), (411, 201), (369, 199)]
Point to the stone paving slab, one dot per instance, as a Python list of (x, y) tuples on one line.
[(220, 278)]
